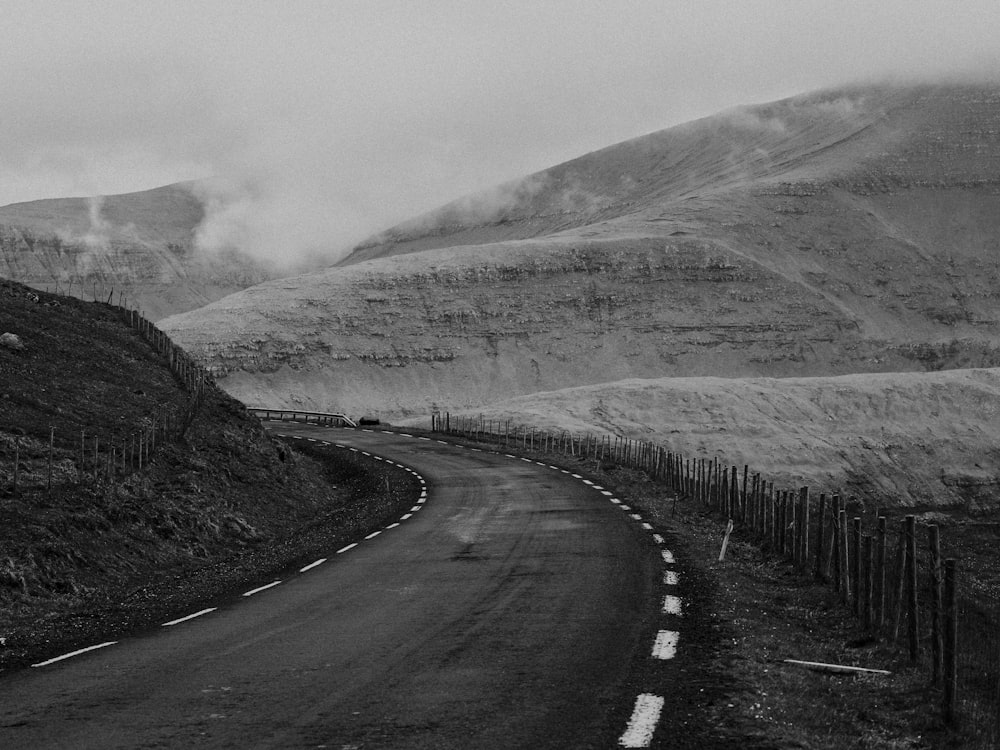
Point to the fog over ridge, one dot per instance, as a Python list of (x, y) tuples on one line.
[(323, 124)]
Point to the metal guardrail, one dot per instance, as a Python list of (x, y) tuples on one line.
[(308, 417)]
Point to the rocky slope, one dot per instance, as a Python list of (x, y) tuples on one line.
[(845, 231), (140, 245)]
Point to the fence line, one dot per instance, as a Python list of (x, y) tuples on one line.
[(902, 590), (106, 457)]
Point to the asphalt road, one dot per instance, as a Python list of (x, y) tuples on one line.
[(506, 612)]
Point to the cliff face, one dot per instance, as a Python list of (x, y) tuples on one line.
[(140, 245), (851, 231)]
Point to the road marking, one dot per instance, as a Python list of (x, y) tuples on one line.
[(443, 442), (342, 550), (404, 517), (312, 565), (509, 455), (414, 509), (605, 492), (553, 467), (251, 592), (645, 716), (616, 501), (365, 453), (670, 577), (668, 557), (188, 617), (647, 526), (73, 653), (665, 646), (657, 538), (635, 517), (405, 434), (423, 438), (625, 507), (672, 605), (540, 463), (597, 487), (526, 459), (476, 450), (564, 471), (364, 430), (587, 481), (577, 476), (311, 440), (391, 526), (373, 535)]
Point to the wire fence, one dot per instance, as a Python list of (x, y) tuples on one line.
[(98, 456), (888, 568)]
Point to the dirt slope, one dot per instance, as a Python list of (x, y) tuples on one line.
[(844, 231), (139, 244)]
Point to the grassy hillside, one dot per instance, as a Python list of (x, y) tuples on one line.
[(927, 441), (140, 244), (219, 505), (838, 232)]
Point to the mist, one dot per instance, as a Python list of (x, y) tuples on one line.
[(315, 125)]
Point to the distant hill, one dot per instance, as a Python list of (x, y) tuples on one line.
[(852, 230), (139, 244)]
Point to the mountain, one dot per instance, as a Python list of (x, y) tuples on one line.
[(140, 245), (852, 230)]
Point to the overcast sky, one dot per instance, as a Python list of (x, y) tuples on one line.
[(331, 120)]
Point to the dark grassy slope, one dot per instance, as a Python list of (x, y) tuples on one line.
[(221, 505)]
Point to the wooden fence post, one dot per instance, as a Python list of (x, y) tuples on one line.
[(912, 631), (820, 534), (880, 575), (855, 558), (950, 640), (934, 543), (804, 552)]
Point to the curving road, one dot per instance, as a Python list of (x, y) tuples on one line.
[(506, 611)]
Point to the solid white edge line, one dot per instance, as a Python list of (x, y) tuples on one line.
[(642, 724), (312, 565), (342, 550), (179, 620), (73, 653), (665, 646), (251, 592), (670, 577)]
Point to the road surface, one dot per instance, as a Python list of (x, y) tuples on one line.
[(506, 610)]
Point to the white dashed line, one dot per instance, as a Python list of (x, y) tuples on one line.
[(672, 605), (414, 509), (526, 459), (342, 550), (423, 438), (553, 467), (608, 494), (179, 620), (587, 481), (443, 442), (668, 557), (625, 507), (404, 517), (312, 565), (645, 716), (251, 592), (391, 526), (635, 517), (405, 434), (73, 653), (373, 535), (508, 455), (657, 538), (670, 577), (647, 526), (311, 440), (576, 476), (616, 501), (665, 646), (597, 487)]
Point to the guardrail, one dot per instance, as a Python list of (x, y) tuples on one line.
[(325, 419)]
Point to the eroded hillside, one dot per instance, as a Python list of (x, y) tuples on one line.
[(850, 231), (140, 245)]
